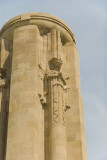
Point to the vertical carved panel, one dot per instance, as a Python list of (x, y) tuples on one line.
[(55, 103), (55, 97), (49, 41), (44, 55), (55, 44), (40, 54), (58, 45)]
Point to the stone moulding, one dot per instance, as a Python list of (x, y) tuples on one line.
[(41, 19)]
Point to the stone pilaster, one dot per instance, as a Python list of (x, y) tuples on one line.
[(56, 87)]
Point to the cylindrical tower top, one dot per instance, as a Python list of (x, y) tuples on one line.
[(44, 21)]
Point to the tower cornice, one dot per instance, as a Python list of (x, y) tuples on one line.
[(42, 20)]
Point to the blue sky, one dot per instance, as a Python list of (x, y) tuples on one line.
[(88, 21)]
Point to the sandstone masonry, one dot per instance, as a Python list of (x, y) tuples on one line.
[(41, 107)]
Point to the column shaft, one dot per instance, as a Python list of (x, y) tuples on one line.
[(56, 121)]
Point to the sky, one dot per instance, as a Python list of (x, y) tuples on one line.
[(88, 21)]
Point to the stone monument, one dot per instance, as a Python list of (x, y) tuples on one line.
[(41, 107)]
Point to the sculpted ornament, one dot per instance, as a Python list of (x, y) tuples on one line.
[(43, 99)]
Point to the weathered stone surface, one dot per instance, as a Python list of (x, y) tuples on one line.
[(40, 94)]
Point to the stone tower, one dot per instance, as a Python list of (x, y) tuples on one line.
[(41, 107)]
